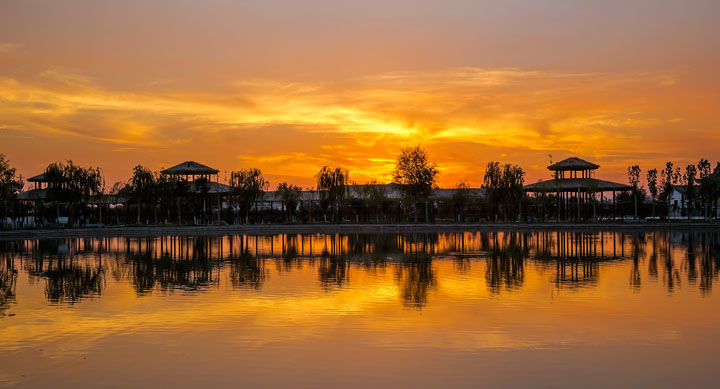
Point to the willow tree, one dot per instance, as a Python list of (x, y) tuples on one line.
[(143, 187), (9, 186), (290, 196), (376, 197), (73, 185), (248, 186), (461, 199), (416, 175), (504, 187), (332, 185)]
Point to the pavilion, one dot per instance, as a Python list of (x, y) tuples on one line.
[(575, 186), (38, 192), (190, 171)]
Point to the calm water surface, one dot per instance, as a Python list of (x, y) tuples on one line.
[(474, 309)]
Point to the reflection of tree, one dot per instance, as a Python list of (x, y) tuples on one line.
[(635, 278), (8, 279), (247, 272), (505, 263), (69, 282), (652, 262), (638, 248), (168, 273), (692, 273), (333, 271), (416, 277), (671, 276), (710, 261)]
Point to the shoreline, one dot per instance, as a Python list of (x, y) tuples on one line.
[(271, 229)]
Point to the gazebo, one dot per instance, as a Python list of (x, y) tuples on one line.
[(575, 186), (191, 171), (38, 180)]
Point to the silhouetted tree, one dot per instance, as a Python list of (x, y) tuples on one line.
[(248, 187), (376, 197), (652, 187), (332, 185), (9, 187), (290, 195), (461, 199), (689, 177), (634, 179), (669, 179), (503, 186), (72, 184), (416, 175), (142, 184)]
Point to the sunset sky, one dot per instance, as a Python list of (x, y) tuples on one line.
[(288, 86)]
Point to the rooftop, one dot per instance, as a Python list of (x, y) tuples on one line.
[(188, 168), (39, 178), (573, 164), (574, 184)]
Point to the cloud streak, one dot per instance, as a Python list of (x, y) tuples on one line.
[(290, 128)]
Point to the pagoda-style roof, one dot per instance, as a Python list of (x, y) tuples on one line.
[(188, 168), (39, 178), (573, 164), (575, 184)]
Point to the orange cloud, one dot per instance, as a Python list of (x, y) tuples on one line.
[(289, 129)]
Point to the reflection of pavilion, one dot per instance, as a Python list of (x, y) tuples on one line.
[(576, 189)]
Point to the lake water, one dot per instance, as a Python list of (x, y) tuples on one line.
[(473, 309)]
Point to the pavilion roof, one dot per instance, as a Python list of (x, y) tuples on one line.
[(39, 178), (573, 184), (190, 167), (573, 163)]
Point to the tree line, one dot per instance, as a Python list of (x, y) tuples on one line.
[(150, 197), (700, 183)]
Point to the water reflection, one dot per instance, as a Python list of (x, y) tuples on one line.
[(416, 278), (8, 279), (76, 269)]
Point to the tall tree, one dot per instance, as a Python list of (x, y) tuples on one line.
[(72, 185), (513, 181), (416, 175), (504, 187), (634, 179), (248, 187), (690, 178), (143, 187), (652, 187), (9, 187), (493, 183), (332, 185), (669, 179), (376, 197), (705, 183), (461, 199), (290, 195)]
